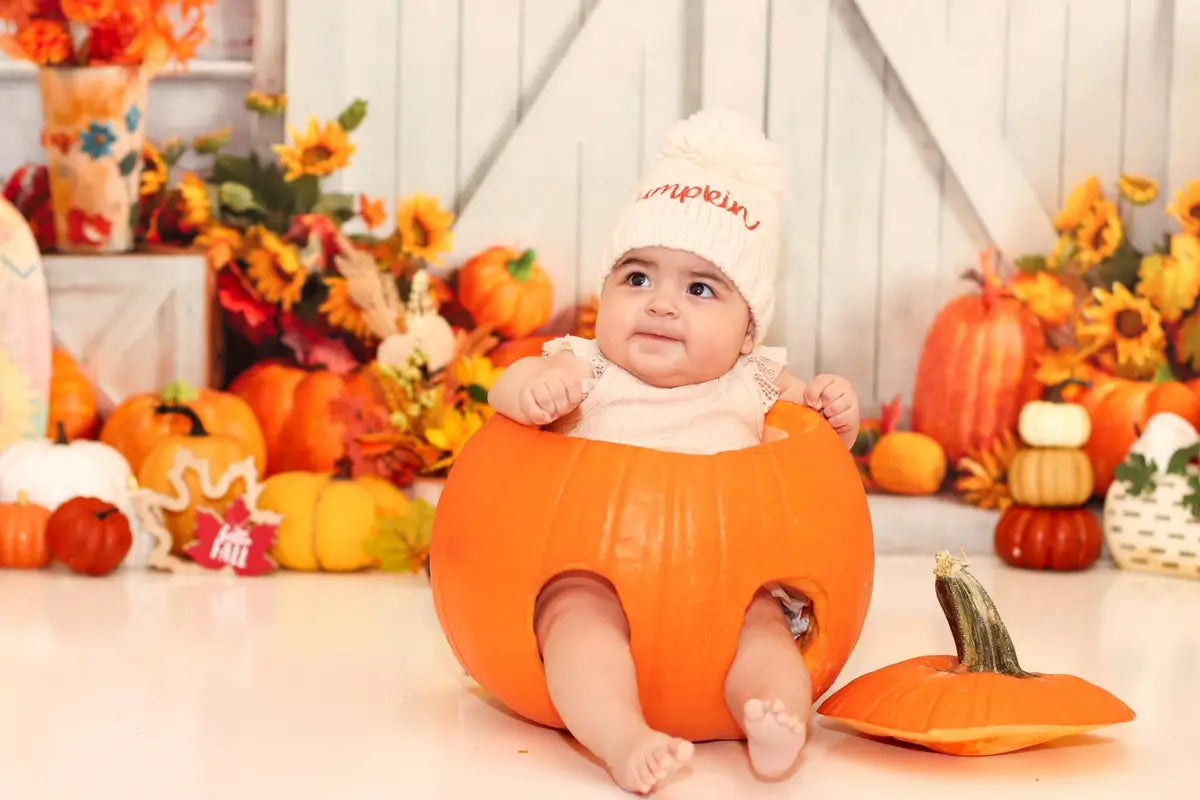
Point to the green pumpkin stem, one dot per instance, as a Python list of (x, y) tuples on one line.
[(520, 267), (60, 433), (980, 637), (177, 393), (1163, 373), (197, 425), (1054, 392)]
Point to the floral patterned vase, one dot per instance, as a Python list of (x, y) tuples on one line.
[(95, 120)]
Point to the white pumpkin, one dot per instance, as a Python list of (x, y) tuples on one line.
[(1044, 423), (428, 331), (52, 471)]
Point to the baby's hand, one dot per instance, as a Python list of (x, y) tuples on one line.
[(834, 398), (552, 393)]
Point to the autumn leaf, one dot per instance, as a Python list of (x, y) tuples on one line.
[(1137, 473), (234, 542), (401, 541), (1191, 500), (1187, 340), (1171, 282)]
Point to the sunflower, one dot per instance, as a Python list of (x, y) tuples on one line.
[(984, 483), (1057, 366), (154, 170), (1100, 234), (372, 211), (1079, 204), (1064, 250), (222, 243), (317, 151), (477, 375), (342, 312), (451, 432), (270, 105), (1045, 296), (195, 206), (424, 228), (1186, 207), (1137, 189), (274, 267), (1172, 281), (1129, 324)]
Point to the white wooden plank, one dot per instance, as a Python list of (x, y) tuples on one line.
[(546, 30), (850, 231), (269, 55), (1093, 101), (664, 72), (427, 135), (1034, 103), (941, 83), (733, 60), (489, 86), (909, 271), (1183, 156), (1147, 82), (231, 33), (796, 108)]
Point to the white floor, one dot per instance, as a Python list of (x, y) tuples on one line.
[(317, 686)]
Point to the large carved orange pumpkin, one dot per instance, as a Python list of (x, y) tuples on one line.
[(684, 539), (507, 290), (293, 408), (1119, 409), (976, 369)]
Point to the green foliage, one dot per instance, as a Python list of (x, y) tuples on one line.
[(1137, 473), (401, 541)]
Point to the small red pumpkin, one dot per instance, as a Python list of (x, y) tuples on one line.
[(90, 536), (1048, 538)]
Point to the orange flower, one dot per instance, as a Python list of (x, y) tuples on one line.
[(44, 41), (372, 211), (87, 10), (1186, 207)]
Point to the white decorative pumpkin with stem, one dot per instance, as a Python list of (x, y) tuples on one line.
[(51, 471), (428, 332), (1054, 422)]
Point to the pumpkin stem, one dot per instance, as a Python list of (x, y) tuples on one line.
[(178, 392), (980, 637), (1163, 373), (1054, 392), (106, 512), (345, 469), (197, 425), (889, 415), (520, 267), (22, 497), (60, 433)]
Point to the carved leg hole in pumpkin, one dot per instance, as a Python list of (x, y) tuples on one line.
[(797, 611), (577, 592)]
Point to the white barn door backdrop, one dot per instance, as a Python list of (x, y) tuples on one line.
[(916, 132)]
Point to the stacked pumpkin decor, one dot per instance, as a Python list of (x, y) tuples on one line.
[(1048, 525)]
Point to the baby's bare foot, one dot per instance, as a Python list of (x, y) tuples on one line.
[(774, 735), (648, 760)]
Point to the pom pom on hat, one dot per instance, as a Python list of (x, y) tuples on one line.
[(715, 190)]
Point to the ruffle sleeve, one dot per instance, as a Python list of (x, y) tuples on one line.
[(584, 349), (762, 367)]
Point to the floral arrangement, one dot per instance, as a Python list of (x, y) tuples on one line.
[(97, 32)]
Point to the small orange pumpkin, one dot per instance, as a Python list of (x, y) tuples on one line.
[(976, 704), (507, 290), (23, 534), (684, 539), (1048, 538), (72, 399)]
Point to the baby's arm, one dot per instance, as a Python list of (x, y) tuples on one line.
[(832, 395), (537, 390)]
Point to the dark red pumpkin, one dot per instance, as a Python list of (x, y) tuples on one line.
[(1048, 538), (90, 536), (977, 368)]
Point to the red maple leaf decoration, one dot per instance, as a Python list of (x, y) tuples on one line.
[(233, 542), (84, 228)]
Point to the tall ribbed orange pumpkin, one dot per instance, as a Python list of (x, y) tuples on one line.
[(684, 539), (977, 368)]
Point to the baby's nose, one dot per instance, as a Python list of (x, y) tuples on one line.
[(661, 306)]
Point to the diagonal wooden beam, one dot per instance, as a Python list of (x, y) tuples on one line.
[(940, 80)]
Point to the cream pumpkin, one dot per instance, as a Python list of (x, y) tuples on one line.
[(1051, 422), (1050, 477)]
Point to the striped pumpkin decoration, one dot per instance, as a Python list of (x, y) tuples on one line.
[(977, 367)]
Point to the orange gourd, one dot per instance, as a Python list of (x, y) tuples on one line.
[(977, 368), (979, 703), (507, 290), (139, 422), (1048, 538), (293, 406), (23, 534), (684, 539), (72, 399), (1119, 409)]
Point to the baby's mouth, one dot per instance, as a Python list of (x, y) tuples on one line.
[(657, 337)]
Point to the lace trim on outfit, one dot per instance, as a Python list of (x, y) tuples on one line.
[(764, 371)]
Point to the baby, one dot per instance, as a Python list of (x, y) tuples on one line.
[(677, 364)]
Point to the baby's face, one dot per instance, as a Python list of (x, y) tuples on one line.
[(671, 318)]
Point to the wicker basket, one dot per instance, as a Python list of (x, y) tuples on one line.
[(1153, 531)]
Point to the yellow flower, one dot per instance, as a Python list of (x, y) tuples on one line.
[(983, 483), (1137, 189), (154, 170), (470, 371), (317, 151), (424, 228), (271, 105), (274, 267), (1172, 281), (1100, 234), (1064, 250), (214, 141), (1187, 340), (1079, 204), (195, 204), (1186, 207), (372, 211), (342, 312), (223, 243), (1045, 295), (1056, 366), (455, 428), (1128, 324)]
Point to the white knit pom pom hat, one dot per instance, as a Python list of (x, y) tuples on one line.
[(715, 190)]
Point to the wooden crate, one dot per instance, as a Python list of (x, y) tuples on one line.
[(136, 320)]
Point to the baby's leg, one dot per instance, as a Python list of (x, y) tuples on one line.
[(584, 639), (768, 688)]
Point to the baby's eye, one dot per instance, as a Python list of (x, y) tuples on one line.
[(637, 279), (700, 290)]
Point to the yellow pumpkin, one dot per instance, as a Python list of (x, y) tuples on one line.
[(327, 518), (904, 462), (1050, 477), (1054, 423)]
